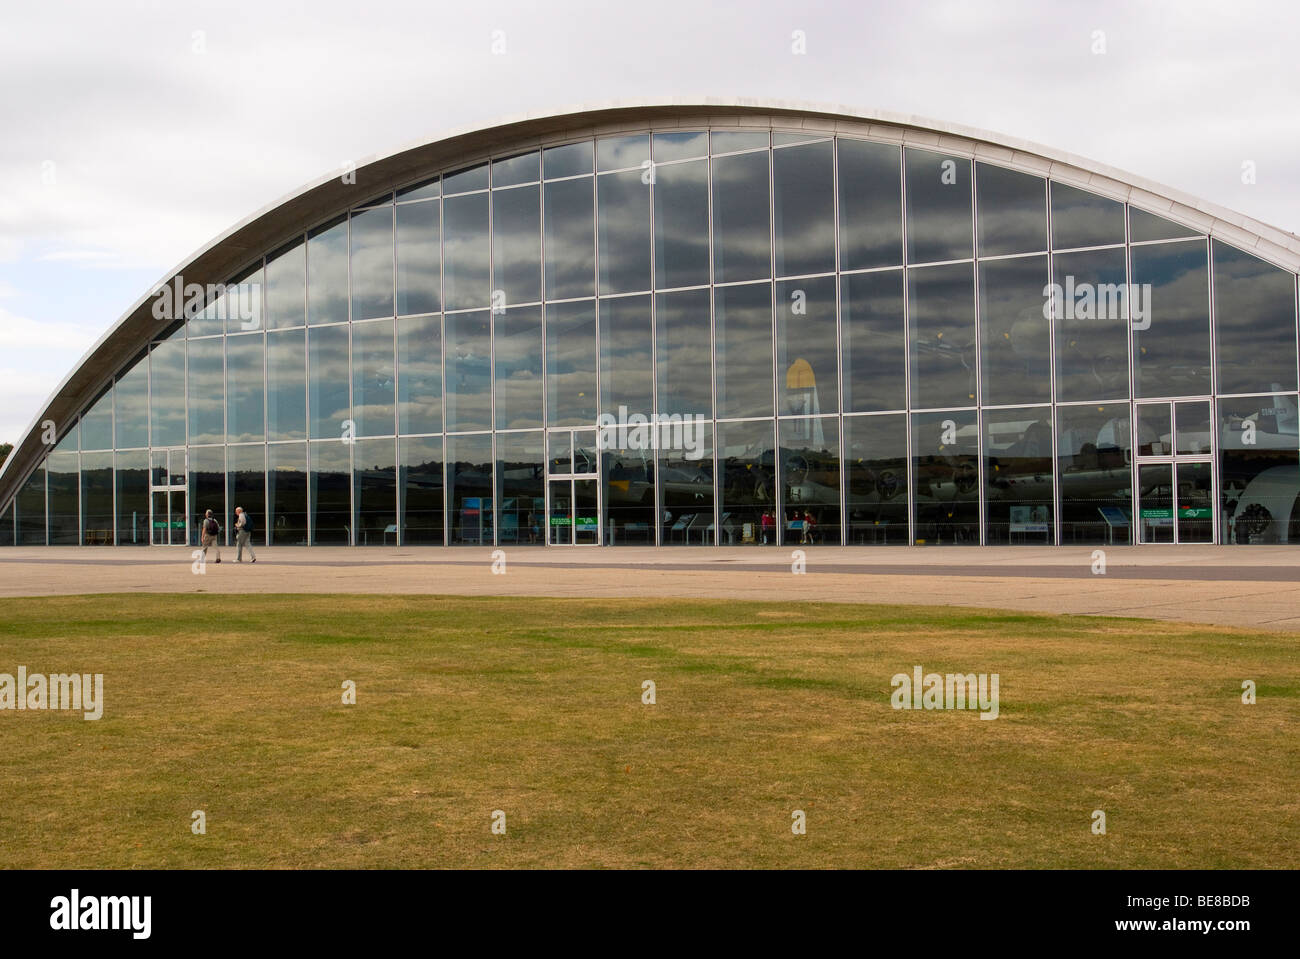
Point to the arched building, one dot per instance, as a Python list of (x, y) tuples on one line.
[(695, 323)]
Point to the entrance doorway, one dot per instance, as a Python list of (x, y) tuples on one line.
[(168, 498), (1174, 448), (572, 488)]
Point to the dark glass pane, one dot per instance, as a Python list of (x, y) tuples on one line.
[(1255, 323), (331, 493), (804, 209), (686, 491), (626, 357), (743, 330), (747, 462), (327, 274), (1258, 469), (1143, 226), (571, 364), (1195, 486), (628, 484), (97, 424), (806, 351), (428, 190), (1155, 429), (945, 478), (516, 246), (327, 384), (207, 490), (246, 488), (941, 302), (245, 379), (286, 504), (1080, 218), (938, 207), (372, 263), (464, 181), (207, 391), (623, 203), (1091, 325), (1094, 449), (469, 489), (465, 248), (1156, 503), (421, 482), (1170, 310), (521, 467), (1193, 430), (512, 171), (875, 476), (810, 481), (742, 248), (131, 407), (29, 508), (469, 372), (619, 153), (132, 479), (569, 160), (167, 372), (419, 258), (725, 141), (787, 139), (419, 353), (519, 368), (875, 344), (70, 441), (1012, 211), (286, 386), (1017, 347), (682, 225), (871, 205), (375, 488), (286, 287), (682, 342), (570, 240), (373, 387), (65, 481), (679, 146), (7, 526), (1018, 476)]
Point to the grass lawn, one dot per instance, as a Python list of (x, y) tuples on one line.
[(533, 707)]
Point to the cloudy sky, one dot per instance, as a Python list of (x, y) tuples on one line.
[(134, 131)]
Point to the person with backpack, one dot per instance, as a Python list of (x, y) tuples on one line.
[(243, 535), (209, 532)]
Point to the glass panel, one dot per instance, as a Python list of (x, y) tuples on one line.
[(469, 372), (747, 462), (786, 139), (1017, 338), (1144, 226), (1192, 421), (372, 263), (327, 384), (469, 489), (29, 506), (207, 391), (286, 506), (466, 282), (463, 181), (1091, 318), (519, 368), (244, 306), (875, 471), (520, 471), (286, 387), (569, 160), (724, 141), (584, 452), (245, 401), (246, 488), (1155, 429), (373, 390), (679, 146), (429, 189), (571, 363), (806, 352), (627, 476), (1094, 450), (626, 358), (207, 487), (419, 352), (512, 171), (176, 520), (945, 478), (65, 482), (938, 207), (1170, 310), (421, 481), (1156, 499), (942, 327), (682, 225), (1255, 323), (686, 493), (875, 350), (131, 407), (742, 248), (516, 246), (804, 209), (1080, 218), (570, 240), (286, 287), (327, 274), (619, 153), (559, 449), (1012, 210), (682, 342), (167, 373), (419, 258), (7, 526), (871, 205), (132, 479), (586, 513), (810, 480), (97, 424), (623, 205), (1018, 476), (161, 524), (207, 318), (375, 481), (1195, 502), (331, 493), (1258, 465), (743, 326), (560, 519)]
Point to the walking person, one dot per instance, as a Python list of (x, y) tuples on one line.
[(208, 536), (243, 535)]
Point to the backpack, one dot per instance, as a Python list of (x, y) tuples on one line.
[(211, 527), (248, 522)]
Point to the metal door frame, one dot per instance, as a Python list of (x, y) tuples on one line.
[(1173, 459)]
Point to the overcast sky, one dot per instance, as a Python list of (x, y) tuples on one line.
[(134, 131)]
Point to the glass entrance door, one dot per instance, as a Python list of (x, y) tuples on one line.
[(1175, 474), (572, 489), (168, 498)]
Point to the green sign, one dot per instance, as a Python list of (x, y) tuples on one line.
[(561, 521), (1157, 514), (587, 522), (1194, 512)]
